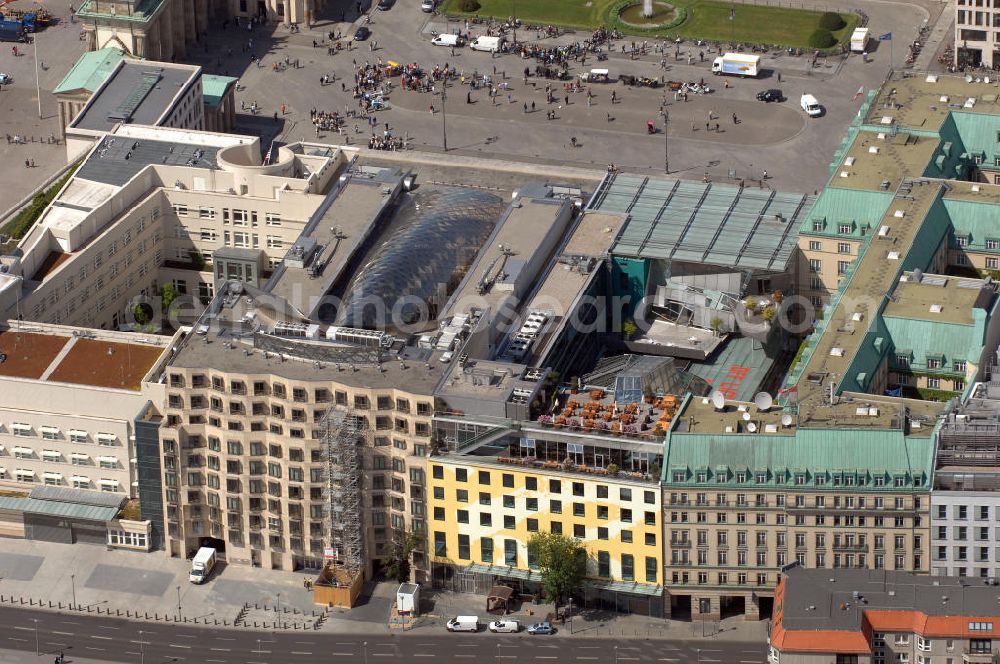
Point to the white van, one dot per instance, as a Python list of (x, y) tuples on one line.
[(810, 105), (504, 626), (447, 40), (463, 624), (490, 44)]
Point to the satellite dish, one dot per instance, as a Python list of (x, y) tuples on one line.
[(763, 400), (786, 420), (746, 416), (718, 400), (752, 427)]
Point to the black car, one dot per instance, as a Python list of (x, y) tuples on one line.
[(362, 34), (770, 95), (386, 4)]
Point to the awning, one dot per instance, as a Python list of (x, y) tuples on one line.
[(113, 483), (52, 476), (54, 431), (81, 479), (80, 456), (20, 426), (108, 459), (106, 437), (51, 454), (77, 433), (23, 450), (24, 472)]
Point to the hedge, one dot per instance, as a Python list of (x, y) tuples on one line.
[(822, 39)]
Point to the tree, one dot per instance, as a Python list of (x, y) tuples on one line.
[(716, 324), (142, 313), (167, 296), (398, 564), (562, 562)]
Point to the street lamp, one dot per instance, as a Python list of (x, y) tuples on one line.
[(698, 652), (178, 602), (616, 654), (498, 653), (666, 140), (37, 650), (258, 649), (364, 652), (444, 113), (72, 580), (277, 607), (142, 648)]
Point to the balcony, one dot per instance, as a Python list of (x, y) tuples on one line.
[(976, 657), (602, 415), (850, 547), (680, 544)]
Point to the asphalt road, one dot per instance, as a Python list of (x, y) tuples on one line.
[(116, 640)]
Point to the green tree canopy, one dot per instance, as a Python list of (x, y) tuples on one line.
[(398, 564), (561, 560)]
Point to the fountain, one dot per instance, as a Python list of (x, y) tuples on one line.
[(647, 9), (648, 13)]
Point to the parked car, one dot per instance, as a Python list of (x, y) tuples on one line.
[(770, 95), (541, 628), (427, 5), (362, 34), (386, 4), (507, 626), (5, 78), (463, 624)]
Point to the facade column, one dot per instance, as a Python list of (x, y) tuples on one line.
[(141, 43)]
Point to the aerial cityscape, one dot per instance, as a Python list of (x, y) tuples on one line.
[(566, 330)]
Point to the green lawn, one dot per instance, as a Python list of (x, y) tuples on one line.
[(706, 19)]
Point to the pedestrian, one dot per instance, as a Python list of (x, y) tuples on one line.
[(468, 97), (27, 164), (609, 116), (614, 97), (525, 109), (765, 175), (693, 129), (567, 100), (735, 120), (432, 113), (707, 127), (716, 127), (283, 110), (532, 106), (779, 77), (275, 116)]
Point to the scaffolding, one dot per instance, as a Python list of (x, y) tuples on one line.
[(342, 435)]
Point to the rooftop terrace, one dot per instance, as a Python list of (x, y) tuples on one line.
[(107, 361)]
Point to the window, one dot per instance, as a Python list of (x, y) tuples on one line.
[(843, 248), (437, 472), (603, 564), (440, 544), (815, 245), (815, 265), (628, 567), (508, 480), (510, 552), (463, 547), (842, 266), (844, 229)]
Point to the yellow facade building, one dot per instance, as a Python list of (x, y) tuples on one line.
[(483, 512)]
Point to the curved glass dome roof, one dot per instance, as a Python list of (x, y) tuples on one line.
[(439, 232)]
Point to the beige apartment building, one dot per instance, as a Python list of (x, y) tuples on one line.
[(70, 403), (243, 462)]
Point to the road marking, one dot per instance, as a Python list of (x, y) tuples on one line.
[(590, 647), (668, 659), (102, 638), (106, 627), (63, 633), (342, 654), (224, 638), (544, 657), (220, 649), (300, 652), (24, 629), (69, 622), (422, 655), (129, 652), (175, 645), (305, 643), (186, 636), (14, 638), (89, 648), (586, 658), (215, 660)]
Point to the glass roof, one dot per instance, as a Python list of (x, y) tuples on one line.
[(435, 237)]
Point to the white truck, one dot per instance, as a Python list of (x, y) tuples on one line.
[(859, 40), (488, 44), (810, 105), (202, 564), (737, 64)]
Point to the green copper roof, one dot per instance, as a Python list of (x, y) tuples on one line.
[(948, 342), (214, 88), (142, 11), (871, 453), (90, 71), (837, 206)]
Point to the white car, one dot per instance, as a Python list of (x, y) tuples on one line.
[(504, 626), (427, 5), (810, 105)]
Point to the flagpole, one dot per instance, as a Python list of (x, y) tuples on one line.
[(890, 51)]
